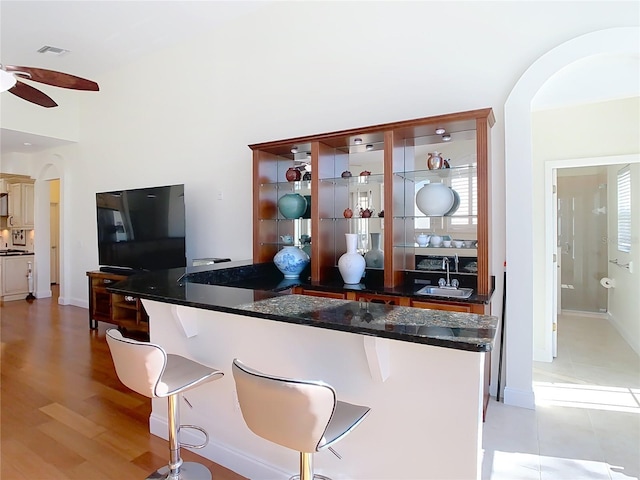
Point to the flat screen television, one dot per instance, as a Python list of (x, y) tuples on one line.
[(141, 229)]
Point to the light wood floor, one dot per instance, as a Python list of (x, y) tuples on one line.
[(63, 412)]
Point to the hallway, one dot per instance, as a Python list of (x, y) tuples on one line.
[(587, 419)]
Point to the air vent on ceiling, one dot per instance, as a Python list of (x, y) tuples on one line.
[(52, 50)]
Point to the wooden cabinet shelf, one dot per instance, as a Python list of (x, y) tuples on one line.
[(125, 311), (395, 154)]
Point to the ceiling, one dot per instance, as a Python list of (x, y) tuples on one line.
[(101, 36)]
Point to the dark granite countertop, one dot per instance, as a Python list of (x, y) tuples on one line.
[(252, 289)]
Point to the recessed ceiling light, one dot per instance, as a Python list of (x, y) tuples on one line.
[(369, 146), (440, 131), (357, 141), (294, 149), (27, 144), (446, 137)]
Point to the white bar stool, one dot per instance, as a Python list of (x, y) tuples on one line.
[(147, 369), (301, 415)]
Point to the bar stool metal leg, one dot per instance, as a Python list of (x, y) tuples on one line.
[(177, 469)]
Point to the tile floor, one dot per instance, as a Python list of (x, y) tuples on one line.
[(587, 419)]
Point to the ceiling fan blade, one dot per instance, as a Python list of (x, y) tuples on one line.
[(33, 95), (51, 77)]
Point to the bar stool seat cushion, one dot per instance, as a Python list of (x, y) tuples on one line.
[(147, 369)]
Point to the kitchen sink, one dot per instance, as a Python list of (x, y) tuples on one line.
[(445, 292)]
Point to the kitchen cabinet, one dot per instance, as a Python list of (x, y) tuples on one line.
[(375, 172), (125, 311), (21, 205), (14, 271)]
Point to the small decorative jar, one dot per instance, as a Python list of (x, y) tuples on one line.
[(293, 174), (348, 213), (435, 161), (346, 174), (291, 261)]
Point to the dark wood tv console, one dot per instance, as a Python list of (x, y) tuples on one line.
[(124, 311)]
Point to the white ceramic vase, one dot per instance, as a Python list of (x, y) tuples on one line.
[(351, 264), (374, 258), (435, 199), (291, 261)]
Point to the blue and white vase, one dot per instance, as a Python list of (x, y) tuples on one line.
[(351, 264), (291, 261)]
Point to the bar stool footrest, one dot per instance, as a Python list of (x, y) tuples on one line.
[(194, 427)]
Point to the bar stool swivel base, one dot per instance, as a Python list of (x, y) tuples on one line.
[(188, 471)]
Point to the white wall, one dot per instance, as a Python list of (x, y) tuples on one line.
[(624, 299), (296, 68)]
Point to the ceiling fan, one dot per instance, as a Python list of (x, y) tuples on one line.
[(11, 76)]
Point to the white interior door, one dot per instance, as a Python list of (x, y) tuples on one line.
[(55, 240), (556, 299)]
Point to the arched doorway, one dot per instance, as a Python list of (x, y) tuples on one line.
[(49, 198), (523, 248)]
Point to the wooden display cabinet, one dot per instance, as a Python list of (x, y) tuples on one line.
[(125, 311), (395, 155)]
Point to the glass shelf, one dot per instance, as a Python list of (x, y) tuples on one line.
[(352, 218), (414, 217), (282, 219), (355, 180), (445, 250), (297, 185), (417, 176)]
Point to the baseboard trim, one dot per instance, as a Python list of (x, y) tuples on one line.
[(579, 313), (220, 453), (520, 398), (634, 343)]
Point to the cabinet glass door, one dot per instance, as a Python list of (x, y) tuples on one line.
[(356, 186), (439, 214)]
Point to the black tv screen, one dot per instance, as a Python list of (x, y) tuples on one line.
[(141, 229)]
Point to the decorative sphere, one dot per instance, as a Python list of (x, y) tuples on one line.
[(292, 205)]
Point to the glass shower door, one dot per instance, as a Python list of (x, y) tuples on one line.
[(582, 240)]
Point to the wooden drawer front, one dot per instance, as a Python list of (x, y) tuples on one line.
[(374, 298), (450, 307), (319, 293)]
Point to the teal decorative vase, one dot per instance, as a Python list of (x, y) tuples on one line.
[(291, 261), (292, 205), (374, 258)]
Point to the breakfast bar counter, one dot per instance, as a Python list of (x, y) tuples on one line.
[(421, 371)]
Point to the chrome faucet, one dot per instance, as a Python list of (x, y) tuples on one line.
[(448, 283)]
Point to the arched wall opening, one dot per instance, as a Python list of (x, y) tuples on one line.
[(522, 247)]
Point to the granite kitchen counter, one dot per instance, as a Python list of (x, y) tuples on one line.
[(252, 290)]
